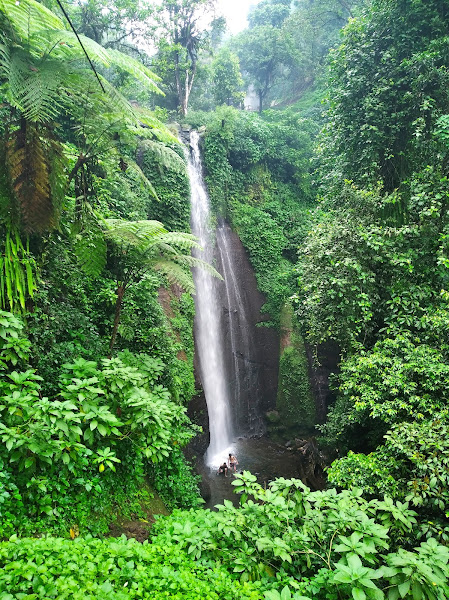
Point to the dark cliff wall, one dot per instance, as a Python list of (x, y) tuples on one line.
[(252, 351)]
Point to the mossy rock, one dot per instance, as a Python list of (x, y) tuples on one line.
[(295, 403)]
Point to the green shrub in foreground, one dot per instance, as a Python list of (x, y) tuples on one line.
[(112, 569), (305, 545)]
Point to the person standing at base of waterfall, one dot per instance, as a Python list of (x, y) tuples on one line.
[(233, 462)]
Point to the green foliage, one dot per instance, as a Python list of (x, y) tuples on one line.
[(228, 82), (14, 346), (264, 241), (257, 173), (114, 418), (295, 402), (169, 178), (372, 473), (175, 482), (398, 380), (387, 91), (17, 273), (44, 78), (113, 569), (262, 52), (321, 545)]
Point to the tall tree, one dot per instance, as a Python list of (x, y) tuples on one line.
[(227, 79), (181, 31), (113, 24), (389, 86), (263, 52)]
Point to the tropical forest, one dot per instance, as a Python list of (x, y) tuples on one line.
[(224, 299)]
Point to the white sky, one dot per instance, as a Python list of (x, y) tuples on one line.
[(235, 12)]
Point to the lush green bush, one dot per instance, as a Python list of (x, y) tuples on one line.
[(112, 569), (411, 466), (374, 474), (62, 452), (176, 482), (321, 545)]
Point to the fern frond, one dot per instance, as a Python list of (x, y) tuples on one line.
[(90, 249), (134, 167), (35, 88), (117, 101), (63, 44), (198, 263), (157, 128), (27, 17), (136, 233), (175, 274), (165, 156), (135, 68)]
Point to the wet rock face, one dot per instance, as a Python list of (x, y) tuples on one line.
[(251, 352), (322, 363)]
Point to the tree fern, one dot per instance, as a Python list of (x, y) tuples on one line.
[(145, 246), (28, 17), (135, 68), (43, 76), (29, 163), (156, 248)]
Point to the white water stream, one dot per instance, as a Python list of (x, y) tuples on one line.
[(207, 322)]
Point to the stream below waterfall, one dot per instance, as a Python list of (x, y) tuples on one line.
[(263, 458)]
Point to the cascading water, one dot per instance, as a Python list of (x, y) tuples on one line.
[(208, 334), (244, 367)]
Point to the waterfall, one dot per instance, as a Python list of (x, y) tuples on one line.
[(244, 365), (208, 334)]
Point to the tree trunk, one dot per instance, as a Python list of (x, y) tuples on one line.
[(118, 310), (260, 101)]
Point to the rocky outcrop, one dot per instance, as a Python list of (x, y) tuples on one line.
[(323, 361)]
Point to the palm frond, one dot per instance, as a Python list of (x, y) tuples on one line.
[(27, 17)]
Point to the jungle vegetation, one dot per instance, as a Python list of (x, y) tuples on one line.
[(326, 147)]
